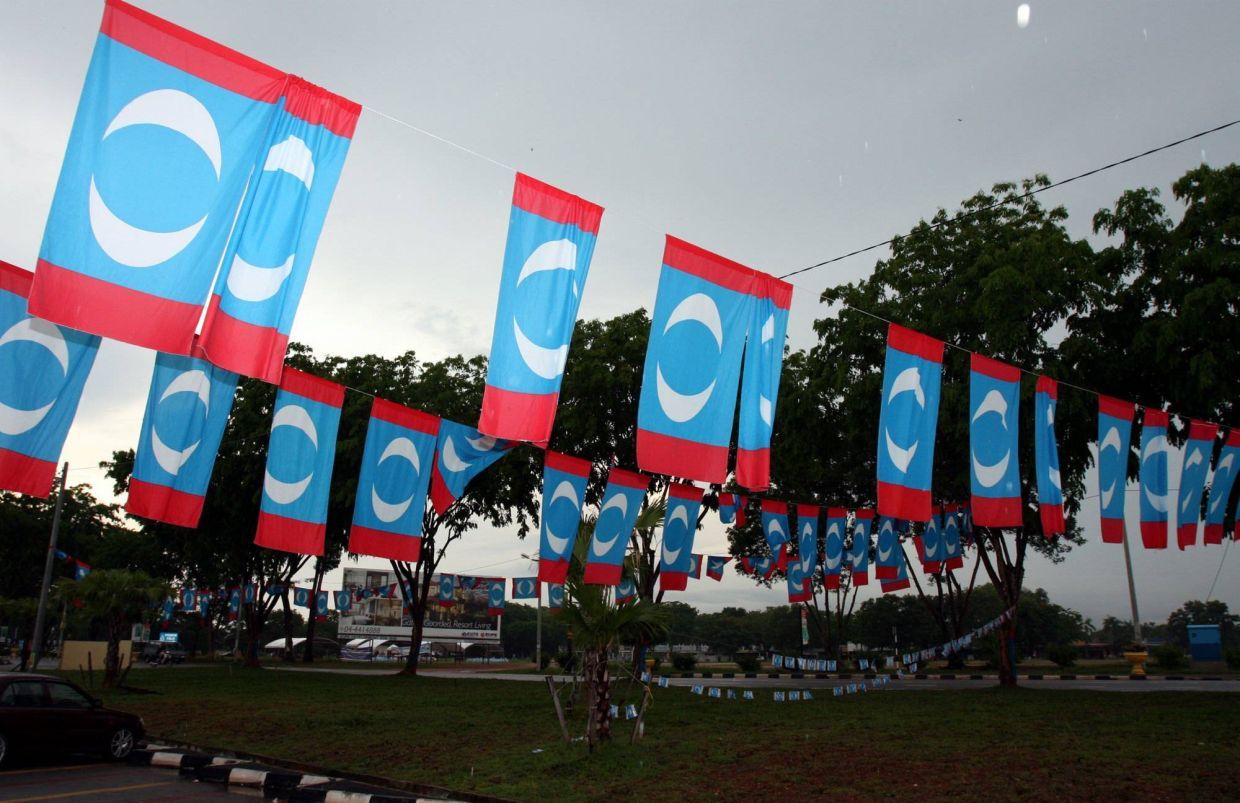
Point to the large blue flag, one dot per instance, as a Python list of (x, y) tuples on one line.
[(43, 368), (907, 423), (888, 557), (526, 588), (1046, 456), (461, 454), (775, 524), (167, 130), (764, 359), (272, 245), (392, 485), (693, 364), (679, 527), (1225, 471), (564, 493), (833, 547), (1197, 451), (859, 554), (293, 512), (551, 236), (622, 502), (1114, 436), (994, 456), (1155, 478), (187, 409)]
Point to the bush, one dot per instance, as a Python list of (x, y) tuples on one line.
[(544, 660), (658, 662), (986, 649), (1062, 655), (748, 662), (566, 661), (1232, 656), (683, 662), (1169, 656)]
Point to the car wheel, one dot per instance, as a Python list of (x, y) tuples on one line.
[(120, 744)]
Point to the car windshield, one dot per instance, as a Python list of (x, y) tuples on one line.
[(65, 696)]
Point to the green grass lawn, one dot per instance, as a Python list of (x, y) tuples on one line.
[(501, 738)]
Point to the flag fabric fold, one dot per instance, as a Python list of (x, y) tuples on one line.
[(526, 588), (1046, 455), (1114, 436), (268, 256), (1197, 452), (1225, 471), (930, 544), (551, 236), (446, 594), (564, 493), (775, 524), (622, 502), (833, 547), (953, 553), (859, 554), (392, 485), (732, 509), (495, 598), (1155, 479), (764, 359), (43, 368), (300, 454), (888, 557), (461, 454), (187, 410), (679, 526), (908, 420), (994, 453), (715, 565)]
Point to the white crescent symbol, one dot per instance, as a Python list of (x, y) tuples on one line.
[(293, 157), (290, 415), (884, 554), (993, 402), (175, 110), (1111, 441), (681, 514), (601, 547), (775, 526), (253, 283), (169, 459), (1194, 459), (1224, 464), (768, 329), (680, 407), (1156, 445), (1053, 474), (564, 490), (1050, 414), (450, 459), (990, 476), (527, 587), (701, 308), (130, 245), (545, 362), (15, 421), (764, 409), (389, 512), (196, 382), (931, 549), (900, 457), (831, 562), (553, 255), (1106, 494), (482, 443), (908, 380)]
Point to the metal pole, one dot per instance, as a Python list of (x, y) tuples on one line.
[(538, 638), (36, 651), (1132, 591)]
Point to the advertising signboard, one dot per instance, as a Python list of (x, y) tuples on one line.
[(387, 617)]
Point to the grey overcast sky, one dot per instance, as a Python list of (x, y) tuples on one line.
[(776, 133)]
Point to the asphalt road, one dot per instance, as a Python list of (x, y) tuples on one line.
[(78, 779)]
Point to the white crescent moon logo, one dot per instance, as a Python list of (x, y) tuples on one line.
[(682, 407), (389, 512), (1111, 441), (1050, 414), (451, 461), (547, 363), (1156, 446), (765, 409), (196, 382), (564, 490), (284, 493), (482, 443), (177, 111), (15, 421), (989, 476), (253, 283), (1053, 476), (931, 547), (831, 562), (292, 156), (1106, 495), (601, 546), (884, 535), (775, 527), (553, 255), (993, 402), (497, 595), (681, 514), (768, 329), (1194, 459), (555, 595), (908, 380)]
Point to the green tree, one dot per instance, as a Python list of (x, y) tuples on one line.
[(117, 597), (1196, 612)]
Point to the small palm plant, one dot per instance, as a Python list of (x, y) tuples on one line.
[(118, 597)]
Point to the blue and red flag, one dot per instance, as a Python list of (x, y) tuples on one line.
[(899, 582), (268, 256), (462, 453), (1197, 451), (189, 600), (833, 547), (1225, 471), (622, 502), (393, 482), (564, 493), (775, 524), (930, 546), (43, 368), (758, 565), (695, 566), (1114, 436), (679, 527), (293, 513), (715, 564), (234, 603), (888, 556), (320, 606), (693, 364), (1046, 456), (344, 601), (495, 598), (250, 593), (859, 554), (907, 422), (301, 597), (526, 588), (80, 569), (732, 509), (1155, 479), (555, 594), (953, 554), (551, 236), (764, 359), (187, 409), (799, 589), (446, 583), (994, 456), (807, 538), (204, 602), (167, 130)]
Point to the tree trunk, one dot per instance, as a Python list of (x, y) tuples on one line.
[(288, 627), (111, 661), (254, 622), (601, 680)]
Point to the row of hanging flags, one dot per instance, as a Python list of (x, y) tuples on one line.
[(227, 221)]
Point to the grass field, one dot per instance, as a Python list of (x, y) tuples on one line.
[(501, 738)]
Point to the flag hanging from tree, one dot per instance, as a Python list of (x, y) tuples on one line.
[(551, 236), (775, 523), (859, 555), (764, 359), (344, 601), (888, 557), (1155, 478), (1114, 435), (732, 509), (564, 492), (953, 553), (1197, 452), (907, 423), (833, 547), (525, 588), (679, 526), (1046, 455), (622, 502), (994, 456), (931, 548), (807, 538), (555, 594), (714, 566), (462, 453), (1225, 471)]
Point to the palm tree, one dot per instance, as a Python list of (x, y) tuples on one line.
[(118, 597)]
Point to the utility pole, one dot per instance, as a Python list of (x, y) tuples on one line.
[(40, 618), (1132, 591), (538, 638)]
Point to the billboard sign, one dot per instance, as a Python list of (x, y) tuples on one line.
[(387, 617)]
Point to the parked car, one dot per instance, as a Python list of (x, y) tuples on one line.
[(46, 713), (158, 652)]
